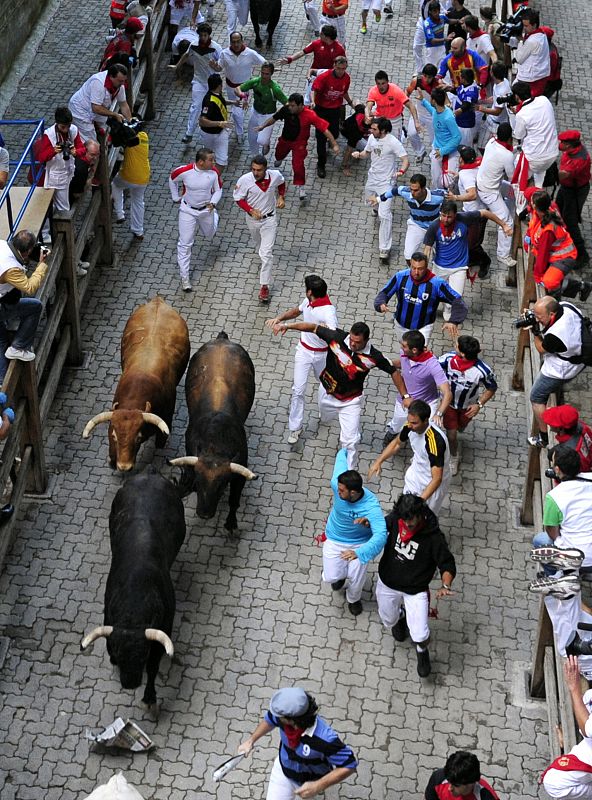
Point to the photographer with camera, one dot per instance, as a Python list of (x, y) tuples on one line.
[(556, 331), (532, 54), (535, 126), (57, 149), (14, 308)]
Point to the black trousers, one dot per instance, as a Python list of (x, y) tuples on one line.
[(571, 202), (333, 117)]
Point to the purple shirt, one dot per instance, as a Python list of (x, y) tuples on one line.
[(422, 378)]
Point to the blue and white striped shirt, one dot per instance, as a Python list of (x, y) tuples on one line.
[(465, 385), (421, 213)]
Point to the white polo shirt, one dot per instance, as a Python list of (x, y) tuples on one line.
[(536, 127), (94, 91), (320, 312), (239, 68), (260, 195), (497, 164)]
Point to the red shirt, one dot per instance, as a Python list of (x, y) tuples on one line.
[(334, 8), (297, 126), (577, 163), (330, 89), (324, 54)]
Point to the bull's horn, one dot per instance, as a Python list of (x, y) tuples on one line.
[(102, 630), (184, 461), (106, 416), (154, 419), (238, 469), (154, 635)]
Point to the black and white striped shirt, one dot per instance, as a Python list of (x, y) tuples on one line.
[(465, 384)]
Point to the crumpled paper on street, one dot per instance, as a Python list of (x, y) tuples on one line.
[(125, 735)]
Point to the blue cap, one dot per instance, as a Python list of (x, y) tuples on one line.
[(291, 703)]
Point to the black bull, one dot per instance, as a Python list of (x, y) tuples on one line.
[(147, 529), (265, 12), (220, 389)]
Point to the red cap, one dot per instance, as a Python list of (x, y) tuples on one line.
[(570, 136), (134, 25), (561, 416)]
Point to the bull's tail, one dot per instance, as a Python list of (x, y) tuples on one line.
[(222, 335)]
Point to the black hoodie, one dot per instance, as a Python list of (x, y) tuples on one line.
[(410, 567)]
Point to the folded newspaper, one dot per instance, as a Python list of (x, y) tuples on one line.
[(125, 735)]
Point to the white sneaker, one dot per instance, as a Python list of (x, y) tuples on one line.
[(82, 268), (186, 284), (507, 261), (384, 255), (294, 436), (302, 193), (454, 463), (20, 355)]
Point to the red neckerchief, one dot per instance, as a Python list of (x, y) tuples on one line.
[(406, 534), (462, 364), (293, 735), (319, 301), (507, 145), (421, 357), (477, 34), (110, 87), (263, 184), (532, 33), (446, 229), (427, 277), (476, 163)]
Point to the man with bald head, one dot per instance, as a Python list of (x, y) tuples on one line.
[(459, 58), (558, 338)]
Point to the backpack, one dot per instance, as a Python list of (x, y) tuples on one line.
[(585, 356)]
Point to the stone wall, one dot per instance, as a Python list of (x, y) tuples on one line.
[(17, 20)]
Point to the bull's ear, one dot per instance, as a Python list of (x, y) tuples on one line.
[(148, 406), (114, 406)]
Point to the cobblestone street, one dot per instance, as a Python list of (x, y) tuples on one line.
[(252, 614)]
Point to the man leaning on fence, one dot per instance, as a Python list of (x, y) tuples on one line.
[(17, 313)]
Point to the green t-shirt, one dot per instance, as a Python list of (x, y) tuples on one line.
[(551, 513), (265, 95)]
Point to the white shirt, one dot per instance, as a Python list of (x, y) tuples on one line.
[(93, 91), (185, 35), (574, 500), (58, 173), (324, 315), (201, 63), (536, 126), (8, 260), (239, 68), (383, 159), (262, 199), (197, 187), (500, 89), (568, 330), (532, 57), (497, 164), (482, 45), (467, 179)]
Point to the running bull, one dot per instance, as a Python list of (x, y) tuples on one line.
[(265, 13), (147, 528), (154, 354), (220, 389)]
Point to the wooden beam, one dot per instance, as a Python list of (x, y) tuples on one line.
[(543, 639), (63, 225)]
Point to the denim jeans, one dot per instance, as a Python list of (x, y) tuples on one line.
[(27, 312), (543, 539)]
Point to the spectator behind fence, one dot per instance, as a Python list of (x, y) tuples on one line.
[(4, 164), (557, 337), (536, 127), (15, 310), (91, 104), (570, 431), (532, 54), (574, 179), (84, 170)]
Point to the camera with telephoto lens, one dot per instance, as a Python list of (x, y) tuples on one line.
[(65, 149), (509, 99), (512, 27), (527, 320)]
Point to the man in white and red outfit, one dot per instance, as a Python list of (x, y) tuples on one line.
[(496, 168), (259, 193), (238, 62), (203, 57), (237, 14), (461, 777), (330, 89), (198, 189), (426, 81), (535, 126), (570, 775), (311, 352), (91, 104), (532, 54), (63, 137)]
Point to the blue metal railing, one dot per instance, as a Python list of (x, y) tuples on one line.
[(27, 159)]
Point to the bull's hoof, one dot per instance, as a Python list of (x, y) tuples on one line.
[(269, 41), (258, 41), (231, 526), (152, 708)]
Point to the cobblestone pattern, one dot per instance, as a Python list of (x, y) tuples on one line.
[(251, 612)]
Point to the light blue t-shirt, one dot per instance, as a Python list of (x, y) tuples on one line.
[(447, 136)]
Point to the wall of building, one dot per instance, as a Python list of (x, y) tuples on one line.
[(17, 20)]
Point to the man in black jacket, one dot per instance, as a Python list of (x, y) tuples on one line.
[(414, 549)]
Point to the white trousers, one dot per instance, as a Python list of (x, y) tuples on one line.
[(467, 135), (443, 178), (236, 112), (348, 412), (573, 784), (416, 481), (385, 216), (280, 787), (336, 568), (218, 142), (259, 141), (564, 616), (339, 23), (414, 237), (304, 361), (400, 413), (426, 330), (413, 137), (417, 607), (537, 169), (496, 204), (198, 92), (311, 8), (433, 55), (136, 194), (86, 129), (456, 279), (375, 5), (263, 232), (419, 46), (237, 14), (189, 222)]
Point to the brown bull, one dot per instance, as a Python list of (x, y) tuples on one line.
[(154, 355)]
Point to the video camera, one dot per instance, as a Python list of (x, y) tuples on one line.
[(512, 27), (124, 134)]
